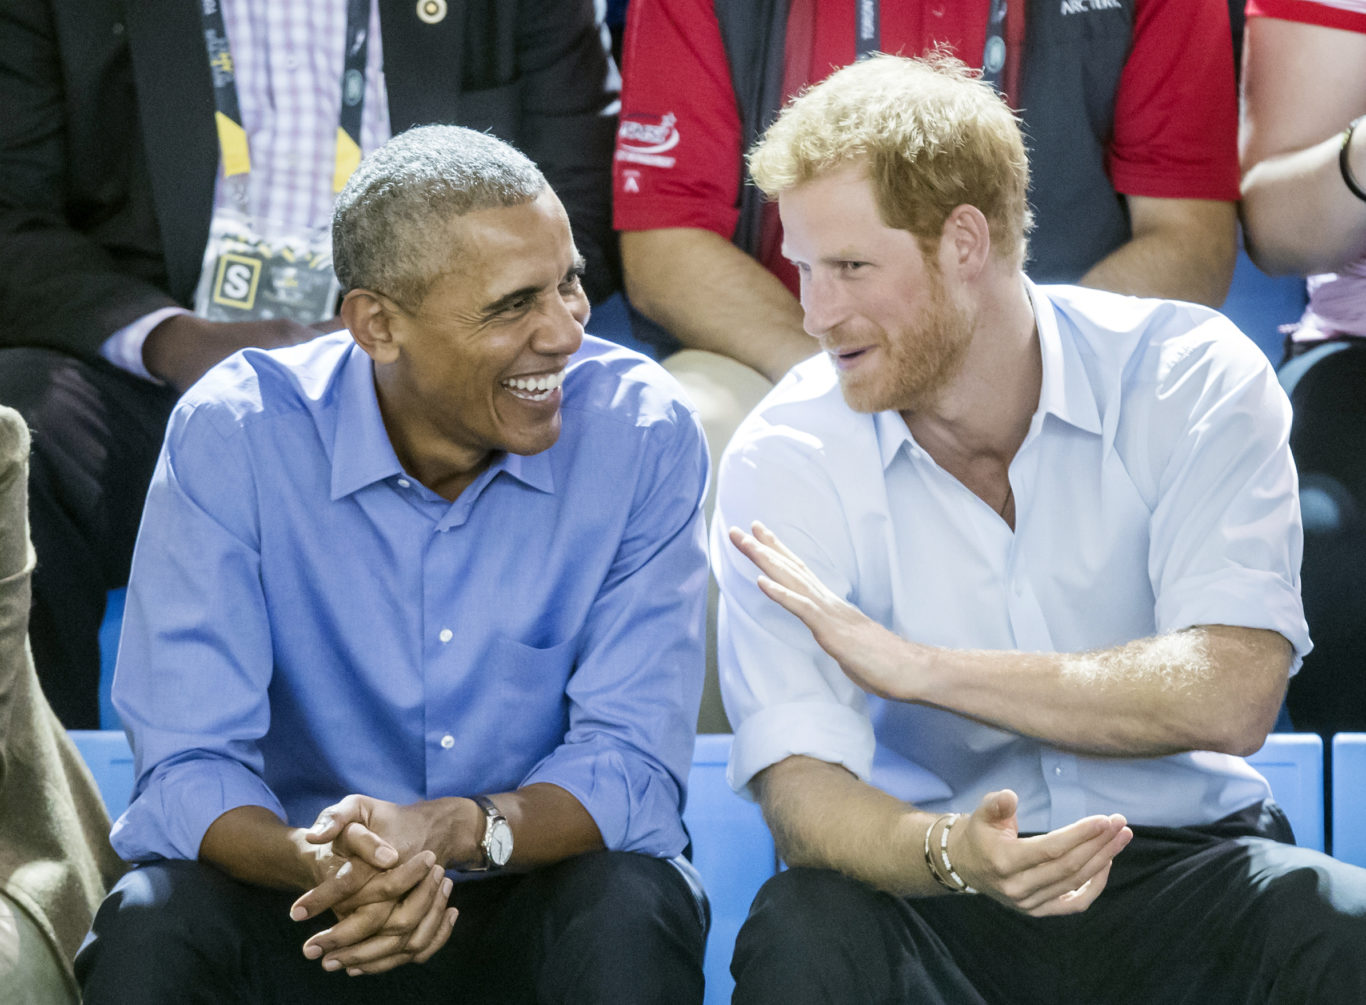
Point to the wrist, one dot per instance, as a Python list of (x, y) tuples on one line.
[(457, 830), (160, 354), (940, 857)]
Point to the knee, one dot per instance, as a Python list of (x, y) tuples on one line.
[(1320, 908), (808, 929), (619, 927), (624, 896), (143, 912), (180, 914)]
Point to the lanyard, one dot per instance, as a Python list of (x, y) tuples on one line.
[(232, 137), (994, 50), (867, 28), (868, 36)]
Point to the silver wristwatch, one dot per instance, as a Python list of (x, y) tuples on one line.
[(497, 840)]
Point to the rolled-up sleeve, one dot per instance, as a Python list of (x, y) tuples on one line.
[(195, 654), (637, 685), (784, 695), (1226, 535)]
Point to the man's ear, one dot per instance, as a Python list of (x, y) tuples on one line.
[(370, 317), (965, 242)]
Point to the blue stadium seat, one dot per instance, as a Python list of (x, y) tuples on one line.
[(733, 851), (1259, 304), (1293, 764), (1349, 798), (109, 650), (110, 759)]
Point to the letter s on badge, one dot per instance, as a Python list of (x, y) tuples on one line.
[(236, 281)]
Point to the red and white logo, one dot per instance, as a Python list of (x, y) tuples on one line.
[(646, 141)]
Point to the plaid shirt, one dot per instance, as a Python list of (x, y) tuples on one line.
[(289, 56)]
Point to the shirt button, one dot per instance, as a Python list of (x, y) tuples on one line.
[(446, 635), (1058, 770), (403, 483), (448, 741)]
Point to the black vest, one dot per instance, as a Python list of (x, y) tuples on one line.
[(1076, 50)]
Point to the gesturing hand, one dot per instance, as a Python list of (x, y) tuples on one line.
[(387, 916), (1061, 872), (876, 659)]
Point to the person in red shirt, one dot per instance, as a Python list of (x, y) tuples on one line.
[(1130, 112)]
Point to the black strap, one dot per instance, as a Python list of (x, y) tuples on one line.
[(232, 137), (994, 48), (754, 33), (867, 28)]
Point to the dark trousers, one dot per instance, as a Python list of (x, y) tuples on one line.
[(96, 434), (1327, 388), (607, 927), (1208, 916)]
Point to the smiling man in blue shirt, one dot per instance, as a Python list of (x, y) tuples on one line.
[(414, 600)]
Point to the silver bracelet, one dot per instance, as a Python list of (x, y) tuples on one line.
[(959, 884), (929, 855)]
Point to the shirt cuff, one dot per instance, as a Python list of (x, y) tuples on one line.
[(1231, 600), (170, 816), (826, 731), (636, 808), (124, 347)]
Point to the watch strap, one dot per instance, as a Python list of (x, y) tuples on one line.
[(492, 815)]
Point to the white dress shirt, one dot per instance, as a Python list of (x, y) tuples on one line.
[(1154, 491)]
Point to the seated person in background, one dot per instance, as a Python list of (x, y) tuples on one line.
[(55, 859), (1135, 186), (1304, 211), (111, 172), (1043, 556), (420, 598)]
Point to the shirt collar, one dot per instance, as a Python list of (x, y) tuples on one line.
[(363, 455), (1065, 390)]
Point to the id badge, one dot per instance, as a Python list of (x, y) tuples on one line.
[(256, 271)]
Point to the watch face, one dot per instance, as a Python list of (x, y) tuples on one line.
[(500, 842)]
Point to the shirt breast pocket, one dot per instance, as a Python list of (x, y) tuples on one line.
[(530, 682)]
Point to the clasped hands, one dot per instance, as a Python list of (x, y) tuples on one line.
[(374, 868)]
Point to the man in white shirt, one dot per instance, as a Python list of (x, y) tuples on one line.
[(1042, 545)]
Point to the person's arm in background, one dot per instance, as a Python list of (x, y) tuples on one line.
[(1302, 85), (711, 295), (677, 175), (1180, 249), (1173, 157), (60, 287), (16, 563)]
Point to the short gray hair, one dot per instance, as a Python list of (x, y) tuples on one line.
[(389, 225)]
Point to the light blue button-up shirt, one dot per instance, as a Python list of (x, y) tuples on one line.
[(1154, 491), (306, 620)]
